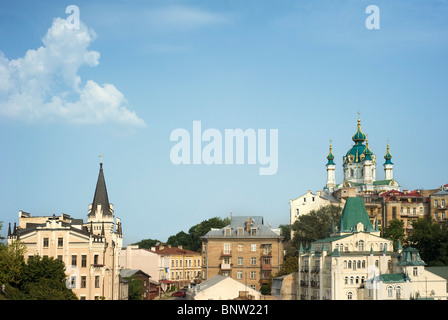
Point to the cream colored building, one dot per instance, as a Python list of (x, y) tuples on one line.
[(355, 263), (165, 263), (89, 250)]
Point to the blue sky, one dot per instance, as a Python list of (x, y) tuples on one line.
[(137, 70)]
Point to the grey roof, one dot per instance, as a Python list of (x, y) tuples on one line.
[(240, 227), (126, 273), (441, 193)]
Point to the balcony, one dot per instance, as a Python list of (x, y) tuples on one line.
[(266, 266), (225, 266)]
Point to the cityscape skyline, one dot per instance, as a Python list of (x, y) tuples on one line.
[(136, 71)]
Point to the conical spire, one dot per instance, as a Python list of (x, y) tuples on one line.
[(100, 196)]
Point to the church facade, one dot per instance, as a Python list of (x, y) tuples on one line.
[(354, 263), (89, 250)]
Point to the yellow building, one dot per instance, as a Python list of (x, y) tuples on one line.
[(89, 250)]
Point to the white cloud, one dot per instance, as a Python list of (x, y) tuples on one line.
[(45, 85), (182, 18)]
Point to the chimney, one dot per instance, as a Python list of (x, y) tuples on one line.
[(248, 225)]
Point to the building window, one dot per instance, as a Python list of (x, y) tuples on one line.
[(97, 281), (390, 291), (226, 248), (74, 260), (83, 281), (253, 260), (60, 242), (253, 247), (240, 261), (239, 275), (398, 292), (83, 261), (45, 243), (240, 231), (253, 231), (415, 271), (361, 245), (435, 203), (227, 232), (253, 274), (59, 257), (240, 247), (350, 295), (95, 259)]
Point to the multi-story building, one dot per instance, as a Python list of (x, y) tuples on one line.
[(406, 206), (164, 263), (438, 204), (89, 250), (246, 250), (355, 263)]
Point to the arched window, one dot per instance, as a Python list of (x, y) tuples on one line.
[(361, 245), (390, 291), (350, 295), (359, 264), (363, 263), (346, 280), (345, 264), (398, 292), (349, 264)]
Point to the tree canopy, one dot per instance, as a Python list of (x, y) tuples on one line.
[(192, 239)]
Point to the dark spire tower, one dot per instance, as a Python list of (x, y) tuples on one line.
[(100, 199)]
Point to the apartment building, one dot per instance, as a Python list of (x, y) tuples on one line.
[(245, 250), (438, 204)]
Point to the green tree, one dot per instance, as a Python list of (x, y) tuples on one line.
[(286, 231), (315, 225), (201, 229), (135, 288), (147, 243), (43, 278), (11, 262), (395, 231), (181, 238), (427, 239)]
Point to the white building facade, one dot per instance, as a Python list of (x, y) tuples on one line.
[(355, 263)]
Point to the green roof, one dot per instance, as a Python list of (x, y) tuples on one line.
[(394, 277), (354, 213), (381, 182)]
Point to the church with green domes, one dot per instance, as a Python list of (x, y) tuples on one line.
[(359, 166)]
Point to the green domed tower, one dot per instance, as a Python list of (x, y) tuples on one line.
[(359, 162)]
